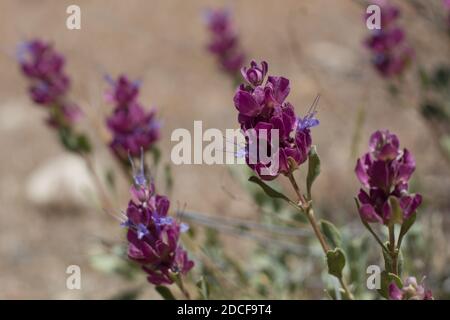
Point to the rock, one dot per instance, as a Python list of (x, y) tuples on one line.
[(61, 182)]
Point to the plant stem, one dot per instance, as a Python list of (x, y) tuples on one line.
[(307, 208), (104, 198), (393, 250), (346, 289), (180, 284), (316, 228), (375, 236), (301, 198)]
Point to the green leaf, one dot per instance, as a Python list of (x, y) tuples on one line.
[(203, 288), (386, 279), (74, 142), (407, 224), (336, 262), (130, 294), (83, 144), (331, 233), (67, 139), (267, 189), (313, 169), (397, 212), (165, 293)]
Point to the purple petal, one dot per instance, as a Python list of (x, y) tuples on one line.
[(368, 214), (246, 104)]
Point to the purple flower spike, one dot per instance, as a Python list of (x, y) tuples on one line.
[(133, 129), (49, 84), (224, 42), (49, 87), (411, 290), (391, 54), (385, 172), (262, 107), (153, 237)]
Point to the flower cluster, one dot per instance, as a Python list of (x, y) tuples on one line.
[(385, 171), (224, 41), (153, 236), (411, 290), (44, 67), (132, 127), (391, 54), (261, 105)]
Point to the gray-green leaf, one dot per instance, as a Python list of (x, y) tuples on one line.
[(203, 288), (165, 293), (331, 233), (407, 224), (313, 169), (267, 189), (336, 262)]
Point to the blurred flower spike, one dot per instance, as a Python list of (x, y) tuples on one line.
[(49, 86), (132, 127), (224, 42), (384, 173), (153, 236), (391, 54)]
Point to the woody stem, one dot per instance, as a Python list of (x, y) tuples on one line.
[(307, 208)]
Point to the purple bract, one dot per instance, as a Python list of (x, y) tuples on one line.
[(261, 105), (224, 41), (49, 84), (152, 235), (391, 54), (384, 173), (411, 290), (133, 128)]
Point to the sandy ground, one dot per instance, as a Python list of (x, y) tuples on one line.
[(316, 44)]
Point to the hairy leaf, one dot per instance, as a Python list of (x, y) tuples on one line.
[(313, 169)]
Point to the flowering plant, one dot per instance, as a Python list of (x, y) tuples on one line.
[(153, 236), (49, 86), (132, 128), (224, 43), (391, 53), (279, 144), (262, 106), (385, 171)]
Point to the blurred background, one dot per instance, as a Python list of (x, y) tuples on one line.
[(49, 218)]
